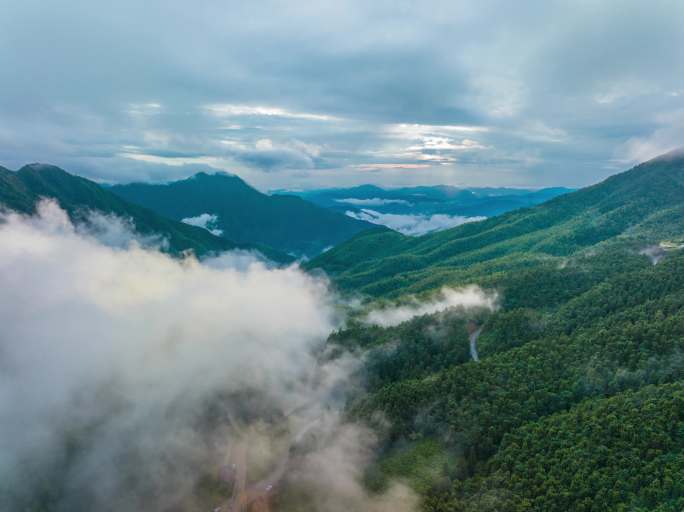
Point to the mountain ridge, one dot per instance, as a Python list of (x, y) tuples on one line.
[(246, 215), (380, 262), (429, 200), (20, 190)]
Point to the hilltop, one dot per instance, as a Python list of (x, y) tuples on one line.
[(21, 190), (243, 214)]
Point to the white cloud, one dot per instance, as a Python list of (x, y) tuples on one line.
[(437, 158), (264, 144), (144, 109), (127, 375), (275, 72), (120, 339), (416, 131), (237, 110), (373, 201), (211, 161), (207, 221), (413, 225), (117, 232), (446, 143), (390, 166), (667, 136), (655, 253), (435, 144), (332, 475), (469, 297)]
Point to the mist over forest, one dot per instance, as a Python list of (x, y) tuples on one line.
[(342, 256)]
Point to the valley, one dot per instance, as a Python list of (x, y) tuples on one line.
[(342, 256), (472, 354)]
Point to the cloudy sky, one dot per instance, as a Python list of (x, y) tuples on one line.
[(307, 94)]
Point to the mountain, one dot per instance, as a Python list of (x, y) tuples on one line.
[(642, 207), (574, 399), (244, 214), (22, 189), (430, 200)]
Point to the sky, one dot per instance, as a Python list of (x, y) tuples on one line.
[(303, 95)]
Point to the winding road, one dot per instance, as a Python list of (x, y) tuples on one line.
[(473, 333)]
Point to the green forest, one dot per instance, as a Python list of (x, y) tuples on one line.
[(577, 401), (574, 396)]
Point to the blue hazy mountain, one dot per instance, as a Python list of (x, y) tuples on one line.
[(429, 200)]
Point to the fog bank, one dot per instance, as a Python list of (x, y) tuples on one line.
[(468, 297), (126, 375)]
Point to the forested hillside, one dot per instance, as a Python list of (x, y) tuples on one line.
[(21, 190), (577, 400), (243, 214), (637, 208)]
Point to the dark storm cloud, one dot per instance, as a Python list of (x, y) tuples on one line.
[(295, 94)]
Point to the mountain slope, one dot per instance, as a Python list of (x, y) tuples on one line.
[(576, 401), (639, 207), (22, 189), (555, 395), (246, 215)]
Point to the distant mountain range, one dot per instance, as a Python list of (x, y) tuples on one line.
[(21, 191), (218, 212), (429, 200), (231, 208), (643, 205)]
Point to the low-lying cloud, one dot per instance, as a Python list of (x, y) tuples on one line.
[(127, 376), (373, 201), (414, 225), (207, 221), (330, 475), (470, 297)]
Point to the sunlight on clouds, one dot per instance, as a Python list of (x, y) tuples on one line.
[(211, 161), (372, 167), (416, 131), (430, 143), (237, 110), (446, 143), (296, 74)]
